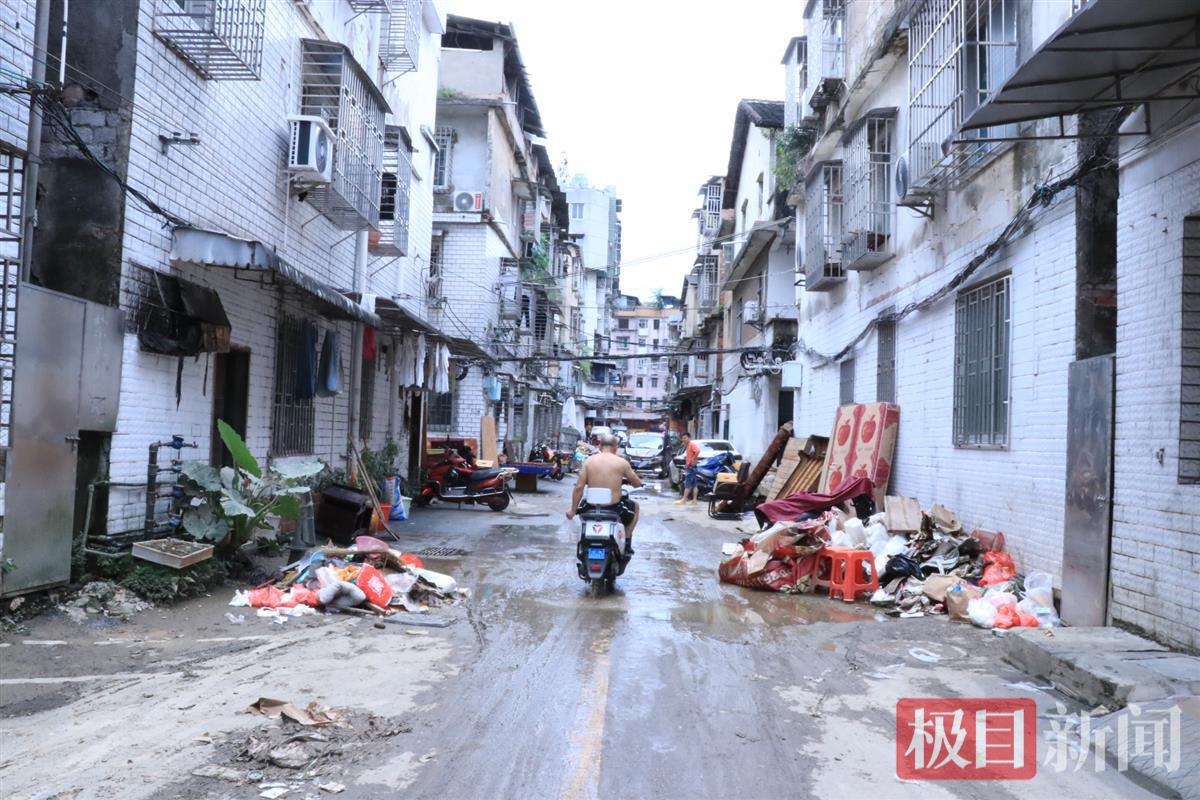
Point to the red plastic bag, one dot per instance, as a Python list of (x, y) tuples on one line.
[(303, 596), (1027, 620), (265, 597), (409, 560), (374, 586), (1006, 617), (999, 569)]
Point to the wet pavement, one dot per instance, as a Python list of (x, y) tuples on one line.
[(673, 686)]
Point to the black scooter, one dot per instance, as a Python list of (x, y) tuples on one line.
[(600, 555)]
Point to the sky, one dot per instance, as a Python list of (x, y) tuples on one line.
[(642, 96)]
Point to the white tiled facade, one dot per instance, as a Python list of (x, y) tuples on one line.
[(235, 181), (1156, 526)]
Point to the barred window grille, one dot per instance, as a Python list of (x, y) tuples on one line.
[(826, 55), (220, 39), (981, 361), (293, 419), (870, 210), (712, 207), (444, 138), (441, 411), (12, 184), (846, 382), (708, 284), (1189, 389), (394, 199), (885, 374), (335, 88), (823, 227), (796, 82), (960, 52), (366, 400), (401, 44)]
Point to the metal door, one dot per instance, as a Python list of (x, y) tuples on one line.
[(1087, 522), (40, 491)]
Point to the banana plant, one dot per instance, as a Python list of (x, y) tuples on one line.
[(229, 504)]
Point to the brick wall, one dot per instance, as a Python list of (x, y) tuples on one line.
[(1018, 490), (16, 57), (234, 181), (1156, 528)]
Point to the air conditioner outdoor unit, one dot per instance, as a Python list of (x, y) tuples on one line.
[(751, 312), (310, 154), (468, 201)]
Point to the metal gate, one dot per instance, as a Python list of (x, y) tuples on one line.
[(1087, 521), (40, 492)]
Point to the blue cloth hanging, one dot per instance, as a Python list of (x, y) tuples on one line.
[(329, 376), (306, 361)]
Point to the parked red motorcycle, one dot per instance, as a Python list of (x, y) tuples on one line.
[(454, 479), (545, 454)]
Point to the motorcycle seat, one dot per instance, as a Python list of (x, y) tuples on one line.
[(483, 474)]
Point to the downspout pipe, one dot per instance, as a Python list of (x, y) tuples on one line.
[(356, 350), (33, 144)]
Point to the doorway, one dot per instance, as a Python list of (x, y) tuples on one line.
[(231, 395), (416, 439)]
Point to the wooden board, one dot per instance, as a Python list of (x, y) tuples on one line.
[(806, 475), (487, 438), (902, 514), (792, 453)]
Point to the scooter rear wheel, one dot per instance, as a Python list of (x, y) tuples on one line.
[(498, 503)]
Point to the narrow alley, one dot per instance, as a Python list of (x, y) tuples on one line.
[(673, 686)]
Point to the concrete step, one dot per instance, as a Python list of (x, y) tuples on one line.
[(1103, 666)]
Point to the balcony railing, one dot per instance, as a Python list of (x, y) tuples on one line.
[(870, 211), (960, 51), (220, 39), (823, 265), (402, 36), (392, 239), (826, 52)]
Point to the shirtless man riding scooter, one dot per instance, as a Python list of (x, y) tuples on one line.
[(607, 470)]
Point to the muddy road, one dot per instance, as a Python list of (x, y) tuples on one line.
[(674, 686)]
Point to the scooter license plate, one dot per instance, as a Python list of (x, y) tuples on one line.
[(595, 553)]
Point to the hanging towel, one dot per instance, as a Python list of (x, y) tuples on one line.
[(329, 376), (442, 384), (306, 361), (419, 375), (404, 365), (369, 346)]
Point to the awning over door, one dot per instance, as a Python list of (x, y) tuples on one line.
[(1110, 53), (215, 249)]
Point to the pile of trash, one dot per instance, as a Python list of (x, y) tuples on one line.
[(305, 750), (368, 578), (104, 598), (931, 566)]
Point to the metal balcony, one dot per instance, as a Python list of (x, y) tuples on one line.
[(220, 39)]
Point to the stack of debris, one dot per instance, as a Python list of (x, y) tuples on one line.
[(103, 598), (924, 561), (368, 578)]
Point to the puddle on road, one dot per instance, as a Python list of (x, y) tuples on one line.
[(768, 610)]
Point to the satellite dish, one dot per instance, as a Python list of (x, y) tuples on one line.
[(901, 178)]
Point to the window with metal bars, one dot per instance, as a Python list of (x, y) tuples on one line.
[(846, 382), (885, 371), (823, 267), (293, 417), (870, 210), (981, 362), (392, 239), (1189, 389), (960, 52), (441, 411), (712, 207), (826, 53), (444, 138), (335, 87), (220, 39), (401, 43), (366, 400), (796, 81), (12, 184)]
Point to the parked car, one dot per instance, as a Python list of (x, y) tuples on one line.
[(645, 453), (708, 449)]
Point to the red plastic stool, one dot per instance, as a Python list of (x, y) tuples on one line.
[(845, 572)]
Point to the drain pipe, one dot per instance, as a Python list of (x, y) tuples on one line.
[(33, 144), (356, 350)]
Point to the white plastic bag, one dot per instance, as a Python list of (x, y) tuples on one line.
[(894, 546), (877, 536), (856, 532), (1039, 587), (981, 612), (999, 598)]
